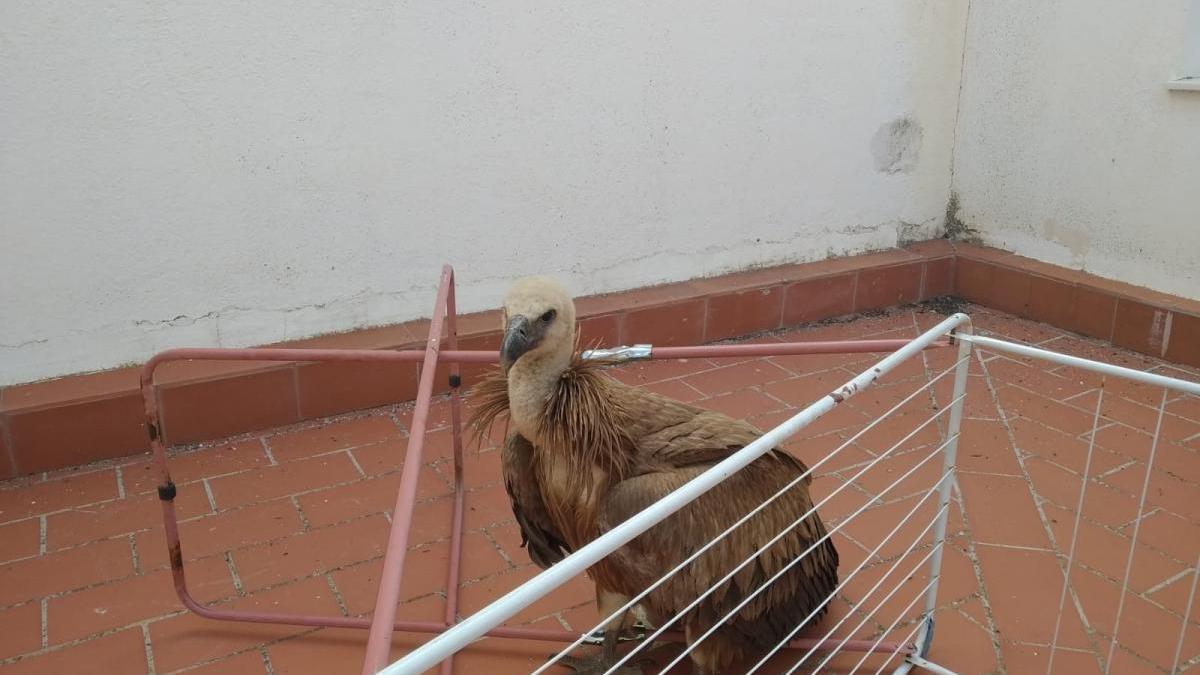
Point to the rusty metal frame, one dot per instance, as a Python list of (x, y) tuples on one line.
[(383, 621)]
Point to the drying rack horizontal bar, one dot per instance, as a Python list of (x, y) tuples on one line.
[(1172, 383), (493, 356)]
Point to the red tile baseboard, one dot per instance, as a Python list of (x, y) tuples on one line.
[(79, 419), (1146, 321)]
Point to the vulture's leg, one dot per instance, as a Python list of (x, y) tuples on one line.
[(599, 663), (596, 664)]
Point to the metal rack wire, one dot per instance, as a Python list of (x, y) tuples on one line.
[(939, 450), (916, 644)]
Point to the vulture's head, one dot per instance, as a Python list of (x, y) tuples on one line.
[(539, 322)]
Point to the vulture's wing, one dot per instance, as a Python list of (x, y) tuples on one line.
[(763, 621), (545, 545), (677, 442), (678, 435)]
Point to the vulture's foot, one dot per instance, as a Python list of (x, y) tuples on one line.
[(603, 660), (598, 664), (634, 633)]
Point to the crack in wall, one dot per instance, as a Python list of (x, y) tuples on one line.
[(802, 234), (27, 343), (239, 324)]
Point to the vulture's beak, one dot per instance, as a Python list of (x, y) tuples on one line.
[(517, 341)]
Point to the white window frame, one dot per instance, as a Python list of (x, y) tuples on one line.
[(1188, 77)]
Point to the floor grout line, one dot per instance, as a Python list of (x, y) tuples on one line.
[(133, 554), (354, 461), (149, 649), (337, 594), (45, 608), (212, 501), (300, 512), (238, 588), (266, 447), (486, 532)]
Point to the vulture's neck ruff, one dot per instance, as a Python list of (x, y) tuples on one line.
[(581, 420)]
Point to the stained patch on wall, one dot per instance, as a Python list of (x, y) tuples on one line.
[(896, 146), (1075, 241)]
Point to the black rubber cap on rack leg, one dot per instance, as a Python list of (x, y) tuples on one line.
[(167, 492)]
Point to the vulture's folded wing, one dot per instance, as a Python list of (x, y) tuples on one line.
[(676, 442), (538, 534), (787, 602), (678, 435)]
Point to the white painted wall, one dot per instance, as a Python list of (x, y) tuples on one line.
[(228, 173), (1071, 150)]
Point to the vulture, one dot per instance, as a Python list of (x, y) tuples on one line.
[(584, 452)]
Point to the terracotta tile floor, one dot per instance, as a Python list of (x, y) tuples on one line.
[(296, 519)]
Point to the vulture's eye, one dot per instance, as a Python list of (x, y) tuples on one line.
[(549, 316)]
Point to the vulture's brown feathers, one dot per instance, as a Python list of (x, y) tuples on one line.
[(585, 452)]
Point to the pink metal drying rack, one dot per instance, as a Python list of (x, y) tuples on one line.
[(383, 621)]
